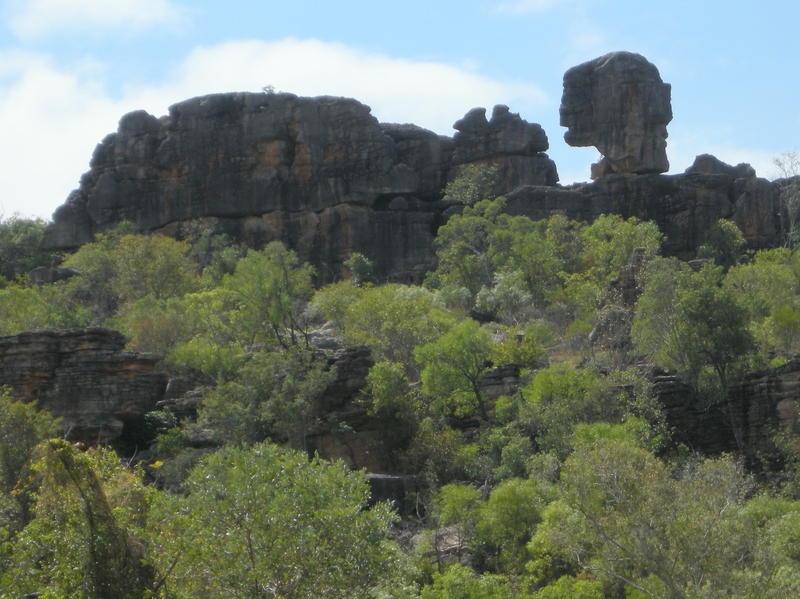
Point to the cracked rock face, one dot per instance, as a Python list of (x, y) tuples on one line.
[(83, 376), (618, 104), (319, 174)]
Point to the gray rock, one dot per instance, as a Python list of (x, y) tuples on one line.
[(314, 173), (618, 104), (84, 377)]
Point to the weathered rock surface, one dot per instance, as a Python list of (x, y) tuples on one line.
[(83, 376), (323, 176), (683, 206), (320, 174), (755, 410), (618, 104)]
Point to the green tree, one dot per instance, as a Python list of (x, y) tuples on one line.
[(608, 245), (22, 428), (661, 535), (216, 346), (461, 582), (97, 263), (561, 397), (275, 393), (25, 308), (334, 300), (266, 522), (508, 520), (474, 184), (19, 246), (454, 365), (463, 245), (272, 289), (82, 541), (393, 320), (688, 321), (768, 287), (724, 244), (156, 266)]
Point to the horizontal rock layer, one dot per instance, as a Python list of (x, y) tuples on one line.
[(747, 420), (84, 377), (683, 206)]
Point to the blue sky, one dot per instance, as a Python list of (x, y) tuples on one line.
[(69, 69)]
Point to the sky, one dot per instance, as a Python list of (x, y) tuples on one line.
[(69, 69)]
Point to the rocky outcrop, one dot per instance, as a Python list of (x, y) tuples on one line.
[(683, 206), (618, 104), (320, 174), (323, 176), (84, 377), (755, 410)]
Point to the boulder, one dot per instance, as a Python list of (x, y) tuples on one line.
[(618, 104), (84, 377)]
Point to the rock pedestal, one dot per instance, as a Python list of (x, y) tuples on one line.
[(618, 104)]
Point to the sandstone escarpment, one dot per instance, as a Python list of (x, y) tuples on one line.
[(320, 174), (83, 376), (683, 206)]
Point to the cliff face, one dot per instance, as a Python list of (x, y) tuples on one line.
[(754, 411), (320, 174), (683, 206), (323, 176), (83, 376)]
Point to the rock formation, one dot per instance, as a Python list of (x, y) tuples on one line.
[(747, 420), (683, 206), (320, 174), (83, 376), (618, 104)]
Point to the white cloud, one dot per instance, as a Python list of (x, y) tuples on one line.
[(52, 119), (38, 17), (432, 95)]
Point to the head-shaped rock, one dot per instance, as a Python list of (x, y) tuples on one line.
[(618, 104)]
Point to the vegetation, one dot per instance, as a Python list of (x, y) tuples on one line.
[(569, 487)]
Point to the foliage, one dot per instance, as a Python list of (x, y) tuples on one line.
[(461, 582), (19, 247), (453, 368), (152, 325), (25, 308), (276, 393), (22, 428), (724, 243), (688, 321), (334, 300), (393, 320), (271, 289), (267, 522), (562, 397), (361, 268), (665, 536), (474, 184), (395, 408), (507, 522), (768, 287), (83, 541), (155, 266)]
